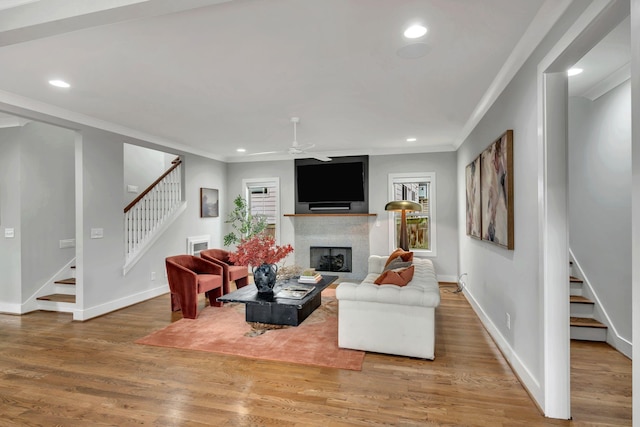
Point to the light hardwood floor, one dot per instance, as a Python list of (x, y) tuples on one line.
[(56, 372)]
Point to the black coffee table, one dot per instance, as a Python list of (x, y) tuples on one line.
[(275, 310)]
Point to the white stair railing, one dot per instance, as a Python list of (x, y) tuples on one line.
[(144, 215)]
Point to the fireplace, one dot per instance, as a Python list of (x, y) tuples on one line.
[(330, 258)]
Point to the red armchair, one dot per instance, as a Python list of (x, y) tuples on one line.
[(189, 276), (236, 273)]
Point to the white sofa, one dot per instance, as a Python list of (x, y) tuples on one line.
[(387, 318)]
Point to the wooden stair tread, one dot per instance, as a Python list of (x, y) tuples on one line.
[(69, 281), (586, 322), (58, 298), (580, 299), (575, 279)]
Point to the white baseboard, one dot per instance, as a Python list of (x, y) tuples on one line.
[(522, 372), (110, 306), (446, 278), (10, 308)]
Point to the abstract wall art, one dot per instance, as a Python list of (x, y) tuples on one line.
[(496, 188)]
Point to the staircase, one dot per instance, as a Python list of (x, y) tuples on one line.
[(151, 212), (62, 296), (583, 325)]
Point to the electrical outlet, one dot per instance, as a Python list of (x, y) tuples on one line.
[(153, 275), (508, 321)]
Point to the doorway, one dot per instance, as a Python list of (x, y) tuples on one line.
[(597, 21)]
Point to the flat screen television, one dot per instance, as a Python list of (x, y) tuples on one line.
[(338, 185)]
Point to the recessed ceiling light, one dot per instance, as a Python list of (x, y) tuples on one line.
[(415, 31), (574, 71), (59, 83), (241, 150), (411, 139)]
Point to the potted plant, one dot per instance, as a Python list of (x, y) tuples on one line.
[(243, 222), (261, 252)]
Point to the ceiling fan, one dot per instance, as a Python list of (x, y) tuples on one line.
[(296, 148)]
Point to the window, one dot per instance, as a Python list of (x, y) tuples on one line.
[(262, 197), (419, 187)]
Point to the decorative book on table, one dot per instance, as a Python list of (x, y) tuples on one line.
[(309, 275), (294, 291)]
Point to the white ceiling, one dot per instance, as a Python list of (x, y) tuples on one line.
[(213, 76)]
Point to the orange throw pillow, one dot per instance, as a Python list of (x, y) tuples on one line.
[(398, 277), (405, 255)]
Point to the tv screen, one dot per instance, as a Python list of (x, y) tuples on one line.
[(331, 182)]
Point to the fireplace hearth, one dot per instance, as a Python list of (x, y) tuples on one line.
[(330, 258)]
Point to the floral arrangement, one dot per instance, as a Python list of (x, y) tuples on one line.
[(259, 249)]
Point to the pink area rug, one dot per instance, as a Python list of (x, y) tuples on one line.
[(224, 330)]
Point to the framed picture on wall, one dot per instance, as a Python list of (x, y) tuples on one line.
[(208, 203), (474, 217), (496, 184)]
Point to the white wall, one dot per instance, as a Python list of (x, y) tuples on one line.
[(379, 168), (600, 198)]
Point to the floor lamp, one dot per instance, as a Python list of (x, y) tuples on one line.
[(403, 206)]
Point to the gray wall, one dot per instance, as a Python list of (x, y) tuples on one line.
[(502, 281), (37, 200), (104, 287), (236, 172), (47, 202), (142, 166), (635, 230), (600, 198), (41, 207), (10, 249), (444, 164)]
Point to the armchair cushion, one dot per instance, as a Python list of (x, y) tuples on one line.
[(208, 281)]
